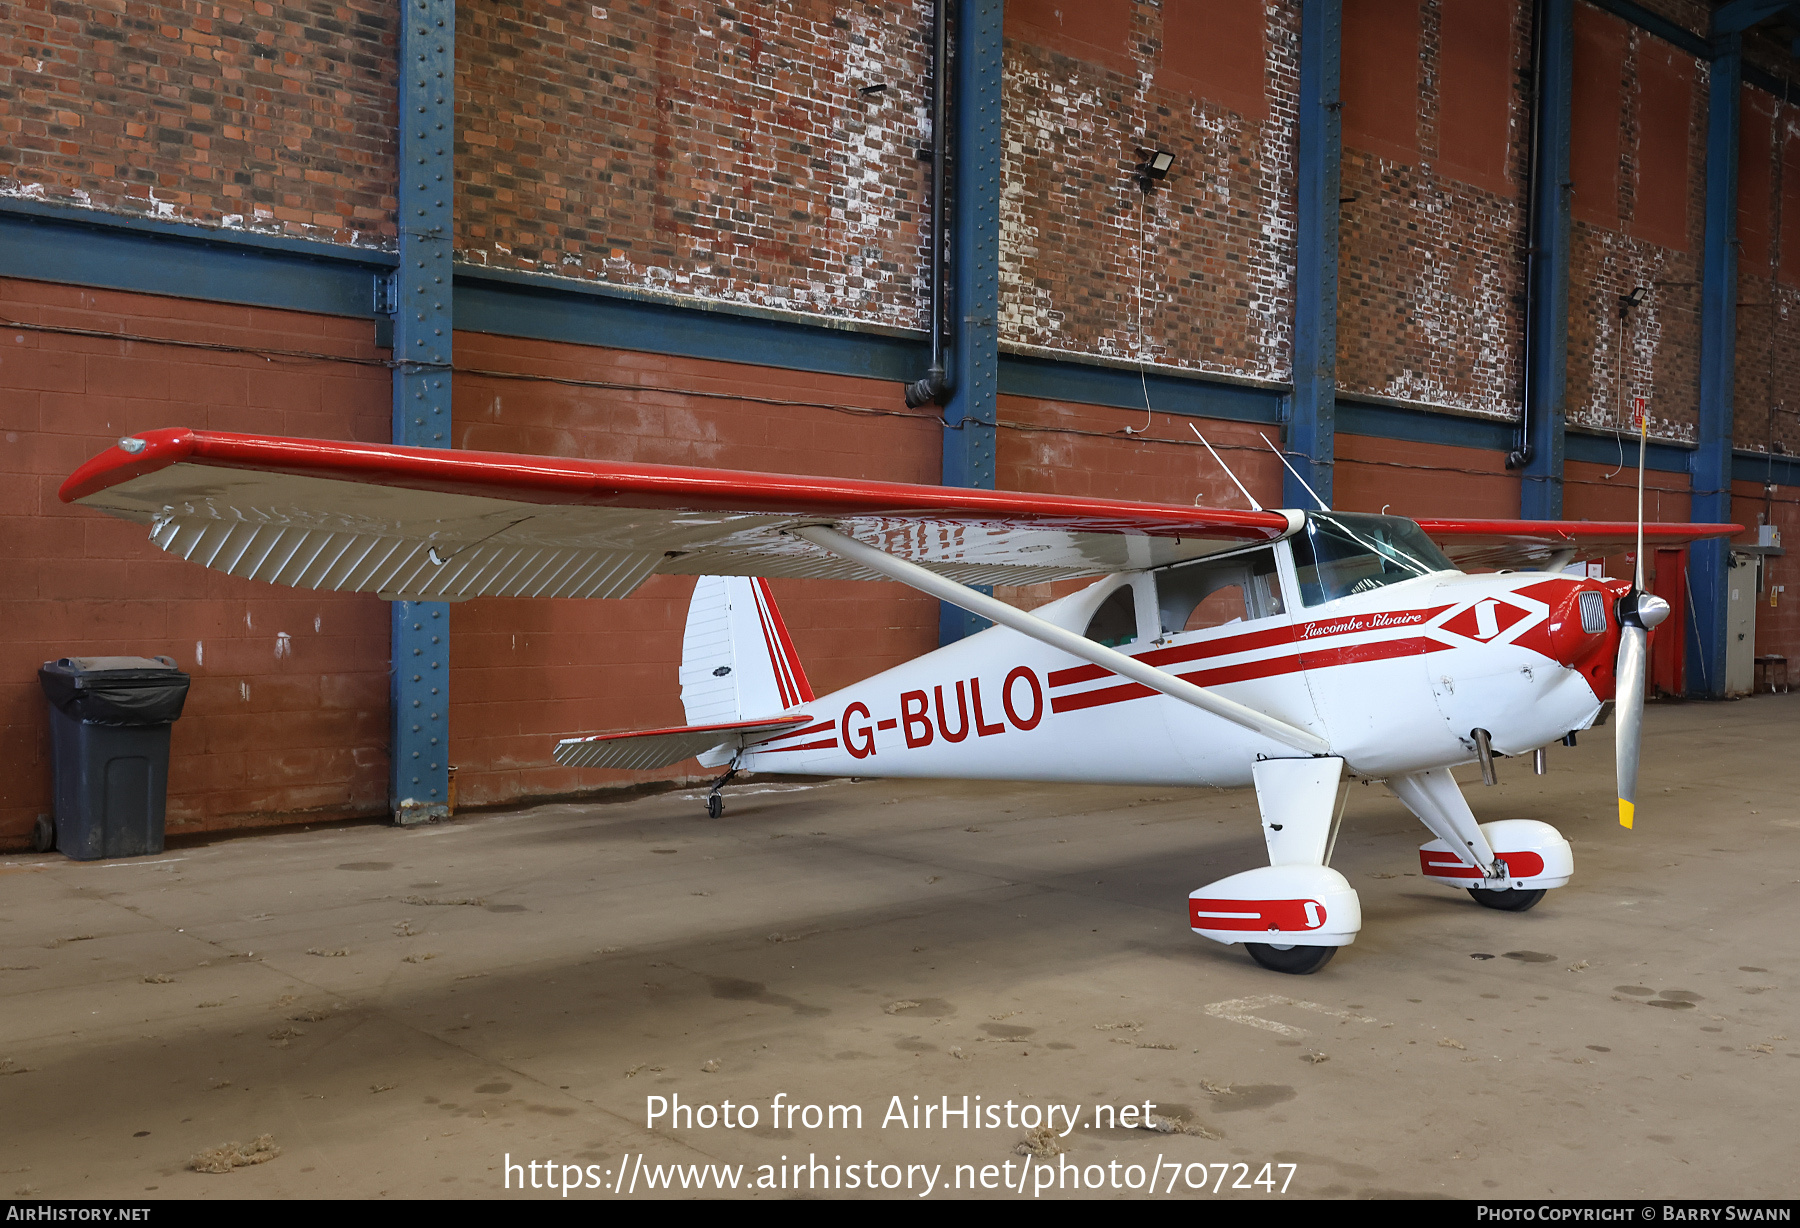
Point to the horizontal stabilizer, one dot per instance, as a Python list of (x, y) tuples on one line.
[(654, 748)]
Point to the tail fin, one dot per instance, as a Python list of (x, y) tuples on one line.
[(737, 661)]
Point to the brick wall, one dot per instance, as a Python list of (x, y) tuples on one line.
[(287, 715), (250, 115), (1777, 620), (1432, 237), (1200, 275), (1422, 479), (1638, 164), (707, 150), (734, 155), (1767, 393)]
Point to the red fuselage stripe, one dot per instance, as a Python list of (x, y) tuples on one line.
[(801, 733), (828, 744), (1269, 637), (1268, 667)]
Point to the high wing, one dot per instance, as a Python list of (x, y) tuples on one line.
[(1528, 544), (443, 525)]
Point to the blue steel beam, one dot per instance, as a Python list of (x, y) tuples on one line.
[(419, 750), (1740, 15), (91, 247), (1547, 323), (1711, 481), (44, 242), (1311, 423), (969, 415)]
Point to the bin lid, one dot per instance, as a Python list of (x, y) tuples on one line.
[(115, 690), (78, 666)]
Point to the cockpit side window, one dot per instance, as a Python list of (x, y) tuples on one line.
[(1196, 596), (1340, 554), (1115, 623)]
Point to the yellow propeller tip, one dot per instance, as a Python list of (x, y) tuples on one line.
[(1626, 812)]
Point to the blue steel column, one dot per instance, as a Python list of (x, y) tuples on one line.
[(1547, 326), (969, 416), (419, 773), (1311, 418), (1711, 473)]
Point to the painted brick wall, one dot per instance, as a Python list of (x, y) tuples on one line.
[(1777, 621), (1767, 394), (253, 115), (1638, 163), (1436, 129), (709, 150), (287, 715), (1421, 479), (1211, 285)]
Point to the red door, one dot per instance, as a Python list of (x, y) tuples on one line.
[(1668, 643)]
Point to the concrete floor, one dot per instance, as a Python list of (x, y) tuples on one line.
[(402, 1009)]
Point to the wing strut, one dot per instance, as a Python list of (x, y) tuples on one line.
[(934, 585)]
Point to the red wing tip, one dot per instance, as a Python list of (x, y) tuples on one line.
[(156, 449)]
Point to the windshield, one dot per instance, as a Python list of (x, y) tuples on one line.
[(1340, 553)]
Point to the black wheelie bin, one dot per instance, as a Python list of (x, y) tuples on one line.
[(109, 742)]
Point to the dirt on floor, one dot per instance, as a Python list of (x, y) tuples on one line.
[(573, 995)]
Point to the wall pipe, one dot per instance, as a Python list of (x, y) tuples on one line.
[(935, 387)]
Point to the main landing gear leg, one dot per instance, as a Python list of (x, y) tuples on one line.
[(715, 805), (1439, 804), (1301, 910), (1505, 866)]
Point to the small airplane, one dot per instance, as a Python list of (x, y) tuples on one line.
[(1293, 651)]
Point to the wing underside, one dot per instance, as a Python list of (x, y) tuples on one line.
[(1532, 544)]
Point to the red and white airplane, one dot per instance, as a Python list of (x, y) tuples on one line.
[(1292, 651)]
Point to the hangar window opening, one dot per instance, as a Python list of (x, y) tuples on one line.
[(1115, 624), (1340, 554), (1196, 596)]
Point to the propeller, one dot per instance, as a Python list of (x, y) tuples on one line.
[(1639, 613)]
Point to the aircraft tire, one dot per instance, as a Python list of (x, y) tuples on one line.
[(1297, 961), (1506, 901), (715, 806)]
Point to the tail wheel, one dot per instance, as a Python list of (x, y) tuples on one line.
[(1506, 901), (1297, 961)]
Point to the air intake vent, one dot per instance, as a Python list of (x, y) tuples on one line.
[(1593, 612)]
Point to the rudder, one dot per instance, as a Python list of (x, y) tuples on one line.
[(737, 660)]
